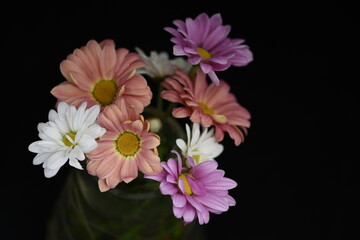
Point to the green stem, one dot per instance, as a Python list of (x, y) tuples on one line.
[(159, 100), (82, 213)]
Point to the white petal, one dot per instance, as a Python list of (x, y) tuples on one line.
[(195, 135), (87, 143), (92, 114), (188, 134), (43, 146), (53, 115), (75, 163), (40, 158), (50, 172), (40, 126), (95, 131), (62, 126), (56, 160), (70, 117), (62, 108), (52, 132), (181, 144)]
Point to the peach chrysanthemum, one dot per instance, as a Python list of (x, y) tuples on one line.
[(209, 105), (100, 74), (125, 148)]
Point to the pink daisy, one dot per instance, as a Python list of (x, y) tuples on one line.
[(99, 74), (209, 105), (197, 190), (125, 148), (205, 42)]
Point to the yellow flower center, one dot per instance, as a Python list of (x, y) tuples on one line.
[(104, 92), (128, 143), (187, 186), (205, 54), (66, 140), (196, 158), (205, 108)]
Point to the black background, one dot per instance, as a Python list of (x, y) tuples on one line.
[(296, 171)]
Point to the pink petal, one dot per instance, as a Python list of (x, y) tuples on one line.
[(144, 166), (150, 141), (102, 185), (114, 179), (66, 90), (91, 166), (129, 170), (181, 112), (108, 164)]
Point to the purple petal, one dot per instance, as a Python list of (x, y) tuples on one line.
[(194, 60), (190, 50), (179, 200), (214, 78), (178, 212), (196, 186), (191, 161), (219, 59), (204, 169), (202, 212), (171, 179), (178, 51), (242, 58), (189, 214), (167, 188), (171, 167), (180, 24), (213, 202), (223, 184), (206, 67), (179, 161), (160, 177), (215, 20), (216, 37), (212, 177)]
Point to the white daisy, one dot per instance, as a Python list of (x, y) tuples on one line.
[(201, 147), (68, 135), (158, 65)]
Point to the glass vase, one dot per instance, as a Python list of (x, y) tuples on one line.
[(133, 211)]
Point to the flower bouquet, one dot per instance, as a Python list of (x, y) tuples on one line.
[(142, 134)]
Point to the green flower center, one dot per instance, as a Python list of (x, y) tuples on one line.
[(128, 143), (104, 92), (66, 140), (205, 54)]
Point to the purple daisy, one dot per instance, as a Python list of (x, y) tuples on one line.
[(197, 190), (205, 41)]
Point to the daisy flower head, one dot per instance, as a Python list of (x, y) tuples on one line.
[(209, 105), (195, 191), (69, 134), (159, 66), (100, 74), (125, 148), (200, 146), (206, 43)]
